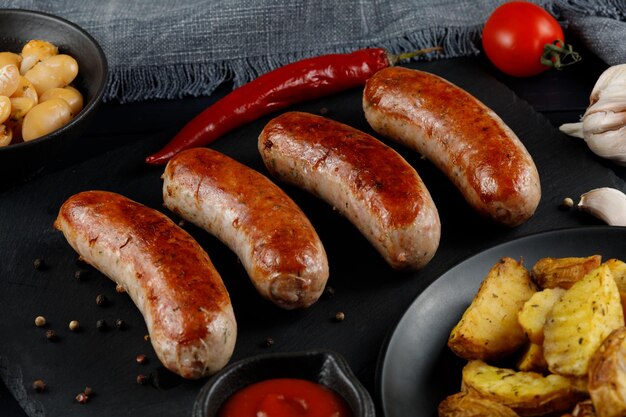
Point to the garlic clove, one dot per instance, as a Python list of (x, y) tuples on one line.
[(609, 145), (607, 204), (611, 81), (615, 105), (573, 129), (600, 122)]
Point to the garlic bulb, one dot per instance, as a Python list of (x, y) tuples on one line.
[(603, 126), (607, 204)]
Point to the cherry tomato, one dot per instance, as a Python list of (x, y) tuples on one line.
[(515, 35)]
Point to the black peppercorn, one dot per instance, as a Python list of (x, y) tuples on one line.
[(120, 324), (102, 325), (269, 342), (102, 300), (51, 335), (142, 379), (39, 385), (329, 292), (39, 264), (80, 274), (88, 391)]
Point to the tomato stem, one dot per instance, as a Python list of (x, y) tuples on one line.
[(558, 55), (394, 59)]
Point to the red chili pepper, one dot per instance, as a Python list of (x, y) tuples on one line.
[(300, 81)]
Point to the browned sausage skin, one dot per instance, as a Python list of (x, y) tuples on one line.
[(166, 273), (364, 179), (273, 238), (464, 138)]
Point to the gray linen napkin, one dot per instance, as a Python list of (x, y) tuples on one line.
[(166, 49)]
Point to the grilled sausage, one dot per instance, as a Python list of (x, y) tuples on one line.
[(276, 243), (461, 136), (364, 179), (167, 274)]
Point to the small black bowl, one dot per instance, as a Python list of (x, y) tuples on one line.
[(23, 160), (322, 366)]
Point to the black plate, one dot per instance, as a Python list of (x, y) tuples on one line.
[(417, 370)]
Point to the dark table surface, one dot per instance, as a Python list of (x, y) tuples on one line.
[(558, 96)]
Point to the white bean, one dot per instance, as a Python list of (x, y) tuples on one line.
[(26, 89), (45, 118), (9, 79), (56, 71), (35, 51), (5, 135), (5, 108), (9, 58), (20, 106), (73, 97)]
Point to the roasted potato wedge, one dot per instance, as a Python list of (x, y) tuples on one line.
[(607, 376), (618, 269), (563, 272), (463, 404), (533, 314), (489, 328), (527, 393), (578, 323), (532, 359)]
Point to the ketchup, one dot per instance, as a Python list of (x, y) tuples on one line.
[(285, 397)]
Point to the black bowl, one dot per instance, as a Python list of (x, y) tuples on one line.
[(23, 160), (322, 366)]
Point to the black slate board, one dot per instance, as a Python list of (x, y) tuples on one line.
[(372, 297)]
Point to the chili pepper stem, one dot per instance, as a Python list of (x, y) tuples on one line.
[(394, 59)]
